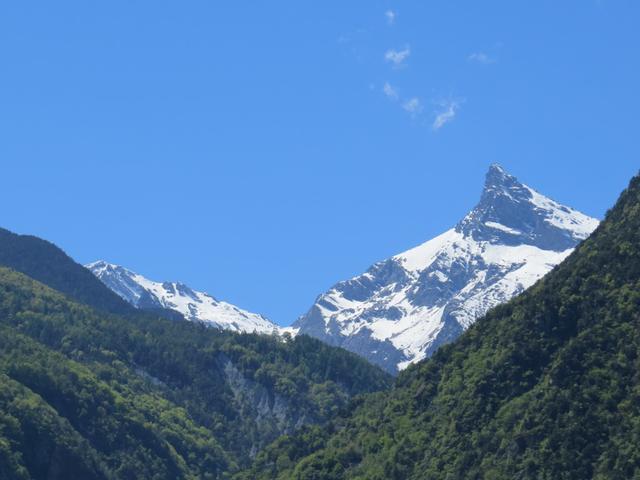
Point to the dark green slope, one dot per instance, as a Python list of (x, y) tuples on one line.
[(45, 262), (86, 394), (63, 420), (544, 387)]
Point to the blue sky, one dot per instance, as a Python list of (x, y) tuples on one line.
[(262, 151)]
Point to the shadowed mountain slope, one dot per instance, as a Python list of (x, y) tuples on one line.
[(46, 263)]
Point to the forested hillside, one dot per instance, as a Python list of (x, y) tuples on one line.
[(544, 387), (45, 262), (87, 394)]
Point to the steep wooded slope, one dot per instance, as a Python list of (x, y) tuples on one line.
[(86, 394)]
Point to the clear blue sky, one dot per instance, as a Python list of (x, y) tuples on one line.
[(262, 151)]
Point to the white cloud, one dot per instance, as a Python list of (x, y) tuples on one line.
[(397, 57), (391, 16), (447, 113), (389, 91), (481, 57), (413, 106)]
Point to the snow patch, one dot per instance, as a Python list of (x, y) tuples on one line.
[(503, 228), (565, 218)]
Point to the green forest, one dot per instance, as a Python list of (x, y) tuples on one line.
[(90, 394)]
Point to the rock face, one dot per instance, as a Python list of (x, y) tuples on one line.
[(403, 308), (174, 296)]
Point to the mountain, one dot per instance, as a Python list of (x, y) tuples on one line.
[(45, 262), (545, 386), (402, 309), (196, 306), (89, 394)]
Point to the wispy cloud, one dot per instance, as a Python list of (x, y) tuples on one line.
[(397, 57), (391, 16), (446, 113), (389, 91), (481, 57), (413, 106)]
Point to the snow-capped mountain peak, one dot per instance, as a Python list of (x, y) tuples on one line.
[(510, 212), (403, 308), (147, 294)]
